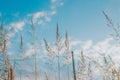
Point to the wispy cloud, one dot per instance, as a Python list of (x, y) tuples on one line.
[(53, 1), (14, 27), (96, 50), (17, 25), (87, 44), (74, 43), (41, 17)]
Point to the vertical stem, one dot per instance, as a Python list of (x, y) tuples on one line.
[(34, 41), (35, 69), (8, 75), (74, 73), (20, 75), (35, 59), (58, 67), (4, 65), (68, 73), (118, 76)]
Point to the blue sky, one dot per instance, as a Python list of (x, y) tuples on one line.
[(82, 19), (77, 17)]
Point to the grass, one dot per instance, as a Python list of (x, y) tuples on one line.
[(85, 68)]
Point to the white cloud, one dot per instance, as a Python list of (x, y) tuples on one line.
[(13, 28), (29, 52), (41, 17), (103, 46), (53, 1), (17, 25), (53, 7), (40, 22), (87, 45), (53, 12), (56, 3), (96, 50), (74, 43), (38, 15)]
